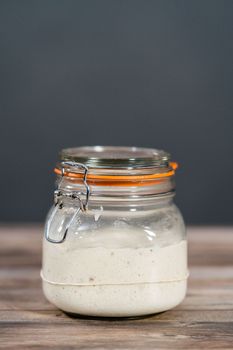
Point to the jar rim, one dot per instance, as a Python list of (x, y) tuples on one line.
[(116, 166)]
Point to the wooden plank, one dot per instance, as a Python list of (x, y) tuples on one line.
[(95, 334), (203, 320), (176, 315)]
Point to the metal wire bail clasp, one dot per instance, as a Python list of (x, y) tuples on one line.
[(84, 205), (74, 195)]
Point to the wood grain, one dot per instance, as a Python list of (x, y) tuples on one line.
[(203, 320)]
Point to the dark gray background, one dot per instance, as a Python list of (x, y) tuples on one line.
[(145, 73)]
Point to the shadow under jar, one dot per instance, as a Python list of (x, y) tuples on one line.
[(115, 243)]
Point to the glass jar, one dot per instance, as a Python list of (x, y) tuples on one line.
[(115, 243)]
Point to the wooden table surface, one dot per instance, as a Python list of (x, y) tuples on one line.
[(203, 320)]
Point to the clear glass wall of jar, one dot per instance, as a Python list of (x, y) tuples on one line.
[(115, 243)]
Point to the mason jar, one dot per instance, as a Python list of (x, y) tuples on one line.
[(115, 242)]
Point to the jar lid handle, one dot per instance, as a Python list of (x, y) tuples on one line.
[(58, 203)]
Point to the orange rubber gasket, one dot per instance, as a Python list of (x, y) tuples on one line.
[(121, 180)]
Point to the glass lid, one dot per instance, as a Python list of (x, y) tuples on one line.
[(109, 157)]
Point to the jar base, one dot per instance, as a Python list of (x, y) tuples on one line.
[(131, 300)]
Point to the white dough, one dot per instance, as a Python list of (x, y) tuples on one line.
[(114, 280)]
